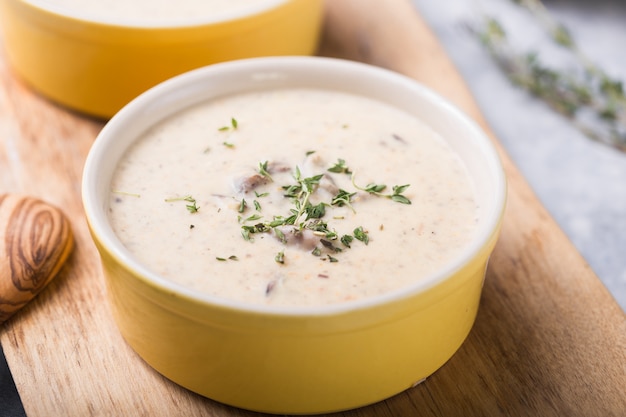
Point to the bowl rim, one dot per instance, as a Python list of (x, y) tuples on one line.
[(260, 7), (94, 207)]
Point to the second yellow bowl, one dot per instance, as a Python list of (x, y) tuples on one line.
[(96, 66)]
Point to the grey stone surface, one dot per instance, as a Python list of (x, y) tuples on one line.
[(581, 183)]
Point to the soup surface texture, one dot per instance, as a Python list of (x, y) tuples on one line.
[(158, 11), (277, 198)]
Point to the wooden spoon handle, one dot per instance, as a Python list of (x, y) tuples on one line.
[(35, 241)]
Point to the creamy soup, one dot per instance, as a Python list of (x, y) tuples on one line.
[(293, 197), (156, 11)]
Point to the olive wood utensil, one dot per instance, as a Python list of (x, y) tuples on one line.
[(35, 241)]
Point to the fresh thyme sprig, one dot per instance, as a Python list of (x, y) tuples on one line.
[(591, 99), (377, 189), (340, 167), (301, 193), (263, 170), (192, 207), (304, 215), (343, 198)]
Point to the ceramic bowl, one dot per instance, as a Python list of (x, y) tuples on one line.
[(296, 359), (95, 63)]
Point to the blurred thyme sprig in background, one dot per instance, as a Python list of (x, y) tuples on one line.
[(586, 94)]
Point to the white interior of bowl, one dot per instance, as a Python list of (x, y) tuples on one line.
[(262, 73), (255, 7)]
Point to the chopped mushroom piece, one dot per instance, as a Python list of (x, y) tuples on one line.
[(245, 184), (252, 180), (305, 239)]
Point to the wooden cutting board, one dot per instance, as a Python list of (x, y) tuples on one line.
[(549, 339)]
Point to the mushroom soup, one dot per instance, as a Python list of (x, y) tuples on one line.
[(158, 11), (293, 197)]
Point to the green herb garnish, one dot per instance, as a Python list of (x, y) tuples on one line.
[(340, 167), (233, 125), (346, 240), (192, 207), (280, 257), (231, 258), (361, 235), (263, 170), (301, 192), (343, 198), (304, 215), (377, 189)]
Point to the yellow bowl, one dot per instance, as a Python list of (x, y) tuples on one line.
[(96, 65), (303, 359)]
